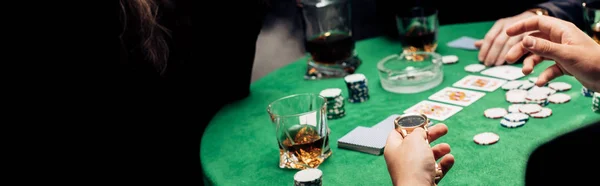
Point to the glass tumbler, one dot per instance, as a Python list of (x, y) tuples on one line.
[(301, 129), (591, 9), (409, 73), (418, 29), (328, 39)]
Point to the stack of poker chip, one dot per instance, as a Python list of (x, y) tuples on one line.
[(335, 103), (587, 92), (514, 120), (358, 91), (596, 102), (308, 177)]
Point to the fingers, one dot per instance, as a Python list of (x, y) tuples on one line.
[(502, 55), (478, 43), (548, 25), (529, 62), (515, 53), (495, 49), (440, 150), (394, 139), (488, 40), (549, 74), (446, 163), (437, 131), (546, 48), (517, 50)]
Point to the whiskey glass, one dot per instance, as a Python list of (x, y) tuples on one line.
[(301, 129)]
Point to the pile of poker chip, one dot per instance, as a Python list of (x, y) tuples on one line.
[(527, 101), (358, 91), (587, 92), (335, 103), (596, 102)]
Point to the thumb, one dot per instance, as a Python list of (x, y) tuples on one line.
[(394, 139), (545, 48)]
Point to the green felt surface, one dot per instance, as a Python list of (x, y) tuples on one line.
[(239, 147)]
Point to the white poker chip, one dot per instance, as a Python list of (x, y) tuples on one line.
[(546, 112), (516, 117), (474, 67), (486, 138), (512, 124), (331, 92), (353, 78), (559, 86), (516, 96), (514, 108), (530, 108), (533, 79), (495, 113), (449, 59), (309, 176), (541, 90), (559, 98), (526, 85), (512, 85)]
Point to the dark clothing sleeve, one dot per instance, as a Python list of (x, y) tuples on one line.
[(570, 158), (568, 10)]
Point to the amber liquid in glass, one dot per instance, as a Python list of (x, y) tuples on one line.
[(307, 146)]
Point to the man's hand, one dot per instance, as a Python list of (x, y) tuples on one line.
[(574, 52), (495, 45), (411, 161)]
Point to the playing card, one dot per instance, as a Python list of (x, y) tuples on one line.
[(464, 42), (479, 83), (433, 110), (505, 72), (364, 139), (456, 96), (387, 124)]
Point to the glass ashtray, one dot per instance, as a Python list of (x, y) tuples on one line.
[(411, 72)]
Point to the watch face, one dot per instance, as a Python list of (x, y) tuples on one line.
[(411, 121)]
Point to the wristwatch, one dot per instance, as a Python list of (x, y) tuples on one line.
[(538, 11), (406, 123)]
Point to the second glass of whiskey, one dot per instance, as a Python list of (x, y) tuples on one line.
[(328, 39), (418, 29), (301, 129)]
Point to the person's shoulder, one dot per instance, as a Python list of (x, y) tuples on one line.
[(567, 157)]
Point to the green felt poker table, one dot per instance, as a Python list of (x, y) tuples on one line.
[(239, 145)]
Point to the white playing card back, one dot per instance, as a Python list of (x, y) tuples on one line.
[(505, 72), (364, 139), (387, 124)]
